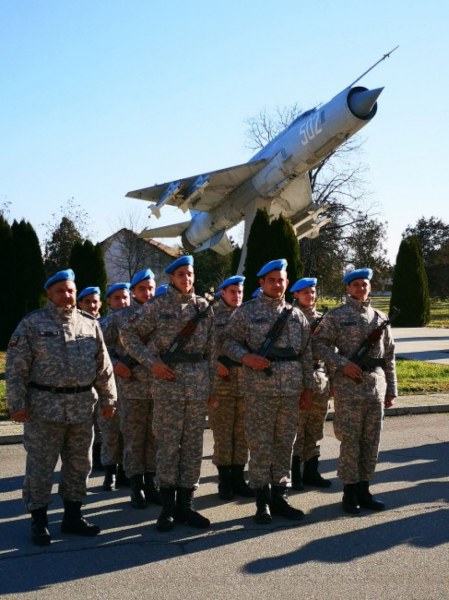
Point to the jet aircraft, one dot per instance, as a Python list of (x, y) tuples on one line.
[(276, 178)]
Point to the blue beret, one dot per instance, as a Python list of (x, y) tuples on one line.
[(161, 289), (66, 275), (115, 287), (182, 261), (357, 274), (141, 276), (93, 289), (234, 280), (274, 265), (256, 293), (304, 283)]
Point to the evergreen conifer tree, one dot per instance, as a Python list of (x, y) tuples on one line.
[(287, 246), (86, 260), (7, 268), (410, 291), (29, 269), (258, 251)]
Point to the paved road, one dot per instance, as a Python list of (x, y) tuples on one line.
[(401, 554), (422, 343)]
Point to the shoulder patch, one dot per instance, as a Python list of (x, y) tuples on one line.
[(14, 341)]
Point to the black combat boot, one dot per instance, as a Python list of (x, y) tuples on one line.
[(281, 506), (137, 493), (74, 522), (40, 535), (310, 475), (351, 502), (165, 520), (225, 490), (121, 480), (239, 485), (185, 512), (109, 478), (366, 498), (296, 474), (150, 490), (263, 514)]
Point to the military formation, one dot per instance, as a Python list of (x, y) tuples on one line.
[(133, 390)]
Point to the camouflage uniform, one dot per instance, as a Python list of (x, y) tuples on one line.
[(359, 407), (62, 348), (136, 402), (271, 403), (180, 404), (311, 422), (226, 415)]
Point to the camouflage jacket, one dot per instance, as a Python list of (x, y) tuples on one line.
[(247, 331), (342, 332), (232, 385), (138, 386), (151, 331), (58, 347)]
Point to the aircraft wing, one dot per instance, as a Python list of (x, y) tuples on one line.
[(199, 192)]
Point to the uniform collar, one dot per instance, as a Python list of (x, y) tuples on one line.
[(269, 301), (359, 305), (175, 295), (59, 313)]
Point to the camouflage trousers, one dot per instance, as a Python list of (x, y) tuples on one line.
[(311, 428), (111, 440), (139, 446), (226, 419), (270, 429), (359, 410), (178, 426), (44, 443)]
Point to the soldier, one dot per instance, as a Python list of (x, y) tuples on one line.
[(272, 340), (136, 401), (117, 297), (179, 327), (56, 359), (89, 300), (360, 393), (227, 413), (311, 422)]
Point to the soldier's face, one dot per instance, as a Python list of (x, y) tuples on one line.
[(144, 290), (119, 299), (274, 284), (91, 304), (63, 294), (359, 289), (183, 278), (233, 294), (306, 297)]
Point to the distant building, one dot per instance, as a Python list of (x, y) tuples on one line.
[(125, 253)]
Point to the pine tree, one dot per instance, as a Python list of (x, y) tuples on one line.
[(287, 247), (410, 291), (7, 268), (86, 260), (29, 269), (258, 251), (59, 246)]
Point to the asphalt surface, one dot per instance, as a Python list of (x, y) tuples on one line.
[(401, 553)]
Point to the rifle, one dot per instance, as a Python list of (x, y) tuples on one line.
[(181, 339), (314, 324), (360, 357), (274, 333)]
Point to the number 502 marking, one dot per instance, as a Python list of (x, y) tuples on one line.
[(310, 129)]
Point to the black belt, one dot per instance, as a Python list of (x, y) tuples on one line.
[(183, 357), (228, 362), (367, 369), (77, 389)]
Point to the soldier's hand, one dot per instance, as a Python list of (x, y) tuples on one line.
[(253, 361), (161, 371), (305, 400), (107, 412), (20, 416), (389, 401), (352, 370), (122, 371), (222, 371)]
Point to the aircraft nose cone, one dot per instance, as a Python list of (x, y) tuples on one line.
[(362, 102)]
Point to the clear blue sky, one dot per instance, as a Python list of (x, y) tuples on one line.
[(106, 96)]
